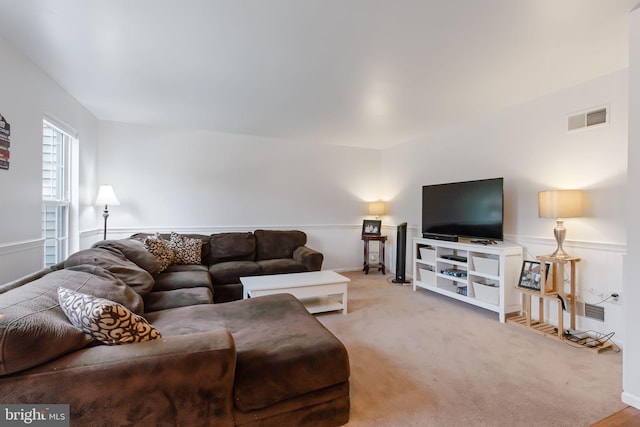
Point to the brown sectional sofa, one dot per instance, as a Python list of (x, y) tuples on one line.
[(228, 256), (258, 362)]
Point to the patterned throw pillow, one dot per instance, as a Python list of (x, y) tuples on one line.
[(104, 320), (160, 248), (185, 249)]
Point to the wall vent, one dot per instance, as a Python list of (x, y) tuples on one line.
[(588, 118), (594, 312)]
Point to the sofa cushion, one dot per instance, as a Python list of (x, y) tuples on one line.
[(280, 266), (232, 247), (34, 328), (282, 350), (159, 247), (138, 279), (272, 244), (185, 249), (104, 320), (163, 300), (227, 292), (134, 251), (170, 280), (231, 271), (186, 267)]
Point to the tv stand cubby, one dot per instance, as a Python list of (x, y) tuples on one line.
[(478, 274)]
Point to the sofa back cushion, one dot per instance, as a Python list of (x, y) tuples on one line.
[(34, 328), (134, 251), (235, 246), (274, 244), (138, 279)]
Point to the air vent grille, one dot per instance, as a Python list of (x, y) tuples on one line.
[(589, 118), (594, 312)]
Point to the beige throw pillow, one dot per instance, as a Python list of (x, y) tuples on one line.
[(105, 320)]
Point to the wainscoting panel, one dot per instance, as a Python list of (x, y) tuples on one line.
[(20, 259)]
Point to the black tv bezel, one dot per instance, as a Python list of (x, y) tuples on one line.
[(456, 237)]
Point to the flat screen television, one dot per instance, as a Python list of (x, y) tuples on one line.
[(469, 209)]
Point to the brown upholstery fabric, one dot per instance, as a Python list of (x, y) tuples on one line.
[(167, 281), (329, 406), (134, 251), (186, 267), (231, 271), (35, 329), (309, 258), (177, 381), (232, 247), (25, 279), (279, 345), (227, 293), (280, 266), (163, 300), (138, 279), (272, 244)]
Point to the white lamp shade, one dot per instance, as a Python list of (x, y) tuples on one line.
[(377, 208), (560, 204), (106, 196)]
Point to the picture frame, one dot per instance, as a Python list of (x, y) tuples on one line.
[(530, 275), (371, 227)]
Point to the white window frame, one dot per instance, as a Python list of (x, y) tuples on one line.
[(57, 232)]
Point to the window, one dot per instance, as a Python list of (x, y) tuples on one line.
[(56, 200)]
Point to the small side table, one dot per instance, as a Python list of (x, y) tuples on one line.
[(381, 240)]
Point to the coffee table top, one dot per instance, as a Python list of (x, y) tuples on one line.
[(283, 281)]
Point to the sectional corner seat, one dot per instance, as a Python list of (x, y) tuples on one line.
[(264, 361)]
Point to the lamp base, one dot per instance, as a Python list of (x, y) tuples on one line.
[(559, 254), (559, 232)]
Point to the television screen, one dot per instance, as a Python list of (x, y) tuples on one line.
[(472, 209)]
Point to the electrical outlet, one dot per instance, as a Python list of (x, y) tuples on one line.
[(616, 299)]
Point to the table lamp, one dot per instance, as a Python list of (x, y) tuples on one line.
[(560, 204), (106, 196), (377, 208)]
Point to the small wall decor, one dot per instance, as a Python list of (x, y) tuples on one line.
[(371, 227), (5, 142)]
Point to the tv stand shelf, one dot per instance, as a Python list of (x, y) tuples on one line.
[(475, 273)]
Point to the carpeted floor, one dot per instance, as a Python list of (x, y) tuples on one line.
[(421, 359)]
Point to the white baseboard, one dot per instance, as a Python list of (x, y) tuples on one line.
[(631, 399)]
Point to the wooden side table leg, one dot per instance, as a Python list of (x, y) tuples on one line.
[(560, 320), (540, 310), (573, 296), (365, 267), (527, 307)]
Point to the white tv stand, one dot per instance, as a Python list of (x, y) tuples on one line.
[(478, 274)]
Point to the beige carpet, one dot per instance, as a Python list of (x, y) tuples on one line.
[(421, 359)]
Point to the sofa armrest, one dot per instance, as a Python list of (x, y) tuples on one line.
[(308, 257), (177, 380)]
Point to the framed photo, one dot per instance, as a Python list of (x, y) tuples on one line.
[(371, 227), (530, 275)]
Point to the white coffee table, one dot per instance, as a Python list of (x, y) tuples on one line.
[(317, 290)]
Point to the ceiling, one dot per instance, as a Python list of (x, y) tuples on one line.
[(369, 73)]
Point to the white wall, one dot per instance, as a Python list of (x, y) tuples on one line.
[(26, 95), (202, 181), (530, 147), (631, 355)]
